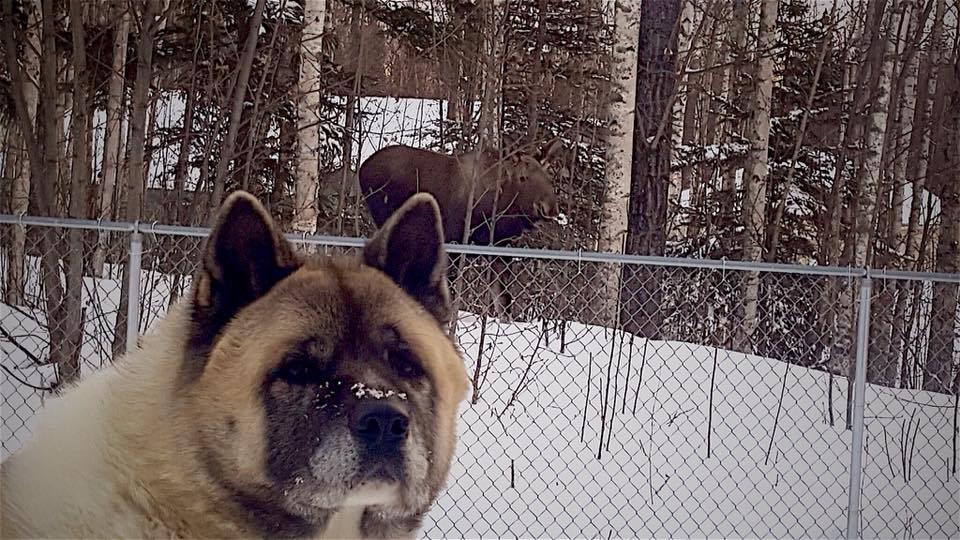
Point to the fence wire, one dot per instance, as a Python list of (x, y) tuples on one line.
[(610, 398)]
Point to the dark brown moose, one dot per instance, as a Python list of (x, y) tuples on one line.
[(526, 195)]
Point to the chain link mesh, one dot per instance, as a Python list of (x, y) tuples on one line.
[(717, 407)]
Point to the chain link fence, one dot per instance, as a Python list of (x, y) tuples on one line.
[(612, 396)]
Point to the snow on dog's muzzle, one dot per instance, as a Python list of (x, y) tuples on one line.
[(561, 219)]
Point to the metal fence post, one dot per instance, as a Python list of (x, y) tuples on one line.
[(860, 384), (133, 290)]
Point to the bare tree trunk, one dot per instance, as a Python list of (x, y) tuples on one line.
[(917, 159), (20, 190), (69, 367), (43, 150), (945, 162), (183, 154), (864, 218), (492, 79), (138, 110), (734, 89), (613, 224), (646, 221), (686, 94), (755, 177), (307, 180), (137, 141), (710, 134), (912, 168), (349, 125), (885, 353), (236, 106), (538, 82), (111, 148), (830, 250)]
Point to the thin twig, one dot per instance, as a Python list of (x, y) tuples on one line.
[(36, 360)]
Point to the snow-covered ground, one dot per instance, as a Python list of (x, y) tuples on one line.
[(593, 437)]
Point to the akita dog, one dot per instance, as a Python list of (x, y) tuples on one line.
[(286, 396)]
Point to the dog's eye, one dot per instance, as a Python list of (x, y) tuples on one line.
[(405, 365), (300, 372)]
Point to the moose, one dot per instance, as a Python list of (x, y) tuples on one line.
[(509, 195)]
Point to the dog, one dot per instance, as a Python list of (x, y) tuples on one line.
[(287, 396)]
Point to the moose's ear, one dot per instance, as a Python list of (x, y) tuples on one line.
[(409, 249), (549, 154), (243, 258)]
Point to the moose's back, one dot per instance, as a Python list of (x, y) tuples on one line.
[(395, 173)]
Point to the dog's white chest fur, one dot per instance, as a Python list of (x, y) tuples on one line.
[(345, 523)]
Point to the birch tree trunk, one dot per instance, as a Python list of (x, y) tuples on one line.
[(916, 161), (613, 225), (687, 97), (492, 79), (755, 177), (914, 171), (887, 327), (111, 147), (307, 182), (20, 190), (863, 218)]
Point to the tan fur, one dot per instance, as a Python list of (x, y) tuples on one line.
[(86, 472), (119, 456)]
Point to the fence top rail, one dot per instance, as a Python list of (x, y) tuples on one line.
[(548, 254)]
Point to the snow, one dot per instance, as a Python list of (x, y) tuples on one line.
[(388, 120), (361, 391), (601, 437)]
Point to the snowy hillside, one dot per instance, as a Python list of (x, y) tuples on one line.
[(663, 439)]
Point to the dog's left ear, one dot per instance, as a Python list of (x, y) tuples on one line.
[(409, 249), (243, 258)]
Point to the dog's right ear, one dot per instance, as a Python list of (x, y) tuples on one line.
[(243, 258), (409, 250)]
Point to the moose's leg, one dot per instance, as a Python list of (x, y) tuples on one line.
[(455, 262), (499, 282)]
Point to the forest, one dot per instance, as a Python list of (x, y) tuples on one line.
[(813, 132)]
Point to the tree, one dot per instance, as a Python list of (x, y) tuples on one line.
[(43, 149), (801, 40), (613, 225), (755, 176), (68, 370), (307, 179), (945, 162), (867, 180), (111, 150), (647, 214), (239, 85), (137, 141), (20, 190), (887, 326)]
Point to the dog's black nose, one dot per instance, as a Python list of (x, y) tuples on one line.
[(380, 426)]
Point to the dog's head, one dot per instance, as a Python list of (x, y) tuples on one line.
[(313, 384)]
